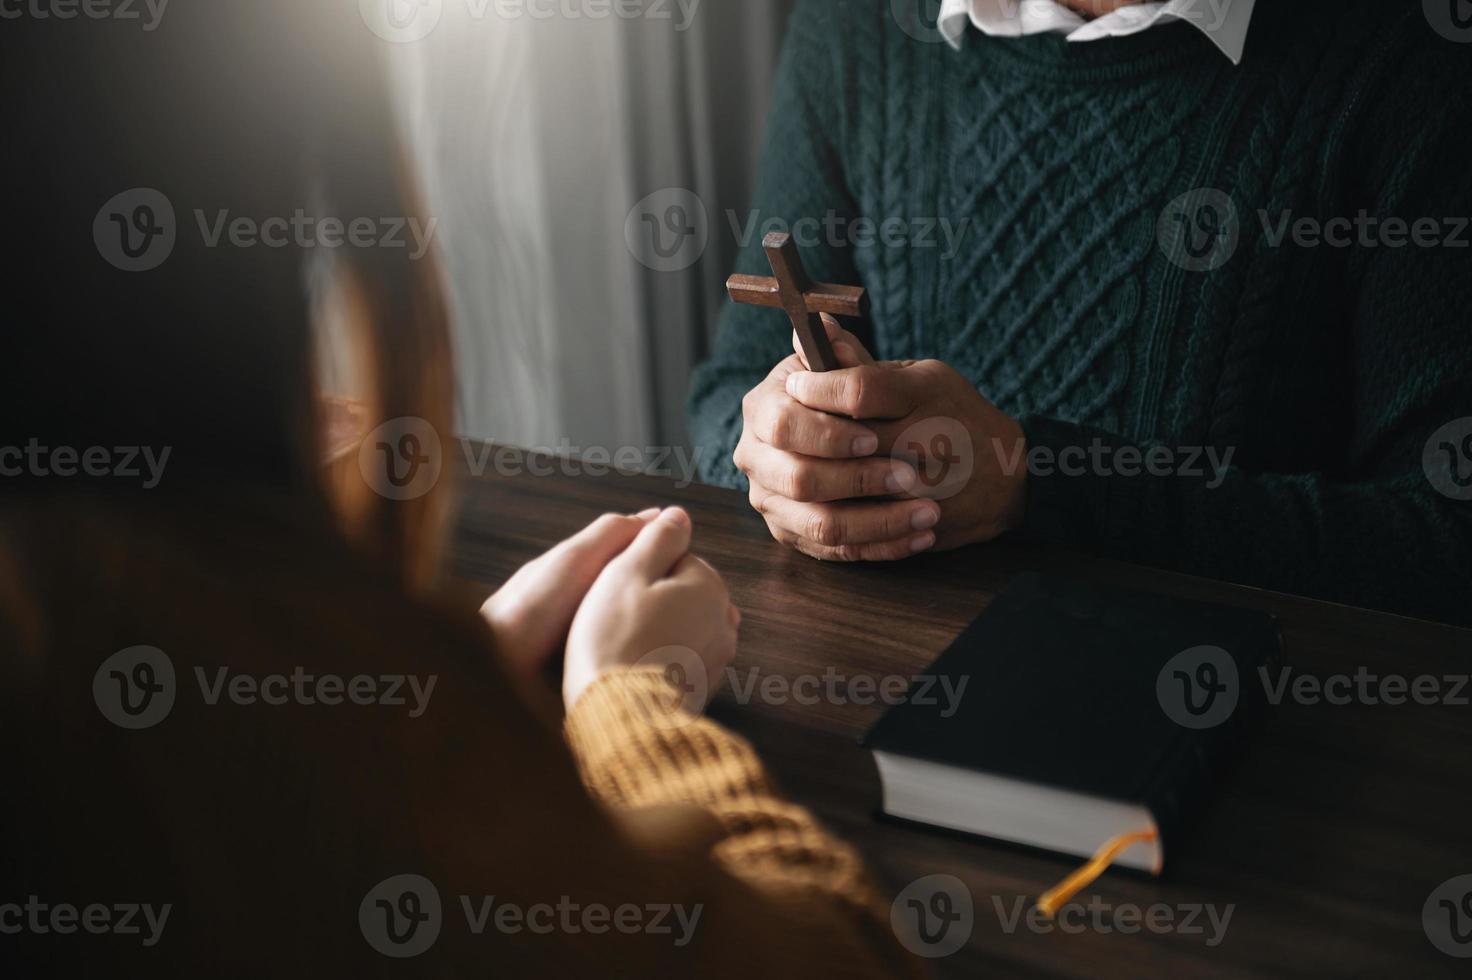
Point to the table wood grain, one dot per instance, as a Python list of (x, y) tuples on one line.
[(1326, 842)]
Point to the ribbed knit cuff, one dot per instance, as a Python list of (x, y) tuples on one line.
[(637, 745)]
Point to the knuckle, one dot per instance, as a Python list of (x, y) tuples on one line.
[(822, 527), (853, 389), (661, 532), (936, 374), (828, 434), (783, 427), (883, 526), (801, 480), (739, 457), (864, 383)]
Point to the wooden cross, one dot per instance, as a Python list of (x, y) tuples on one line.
[(790, 289)]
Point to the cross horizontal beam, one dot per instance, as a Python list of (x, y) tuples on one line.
[(823, 297)]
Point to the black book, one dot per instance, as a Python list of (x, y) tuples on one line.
[(1088, 712)]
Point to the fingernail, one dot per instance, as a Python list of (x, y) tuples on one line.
[(648, 515), (791, 383), (901, 478), (922, 542), (676, 515), (865, 445), (924, 518)]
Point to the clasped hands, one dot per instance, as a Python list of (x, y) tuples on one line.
[(878, 461), (625, 591)]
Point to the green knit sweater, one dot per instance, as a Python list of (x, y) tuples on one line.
[(1324, 369)]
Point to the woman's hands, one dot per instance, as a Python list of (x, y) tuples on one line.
[(624, 590), (657, 605), (533, 611)]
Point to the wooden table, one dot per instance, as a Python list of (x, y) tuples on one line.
[(1327, 842)]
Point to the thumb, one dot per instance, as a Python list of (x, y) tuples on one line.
[(847, 347), (659, 546)]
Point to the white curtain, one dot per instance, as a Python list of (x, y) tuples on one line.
[(533, 138)]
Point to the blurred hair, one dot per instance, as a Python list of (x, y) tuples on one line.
[(257, 109)]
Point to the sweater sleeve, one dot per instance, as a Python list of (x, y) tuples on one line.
[(639, 750), (801, 188), (1391, 525)]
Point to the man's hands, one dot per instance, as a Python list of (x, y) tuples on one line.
[(847, 490), (818, 479)]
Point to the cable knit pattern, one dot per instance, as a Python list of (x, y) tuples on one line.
[(637, 746), (1322, 370)]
